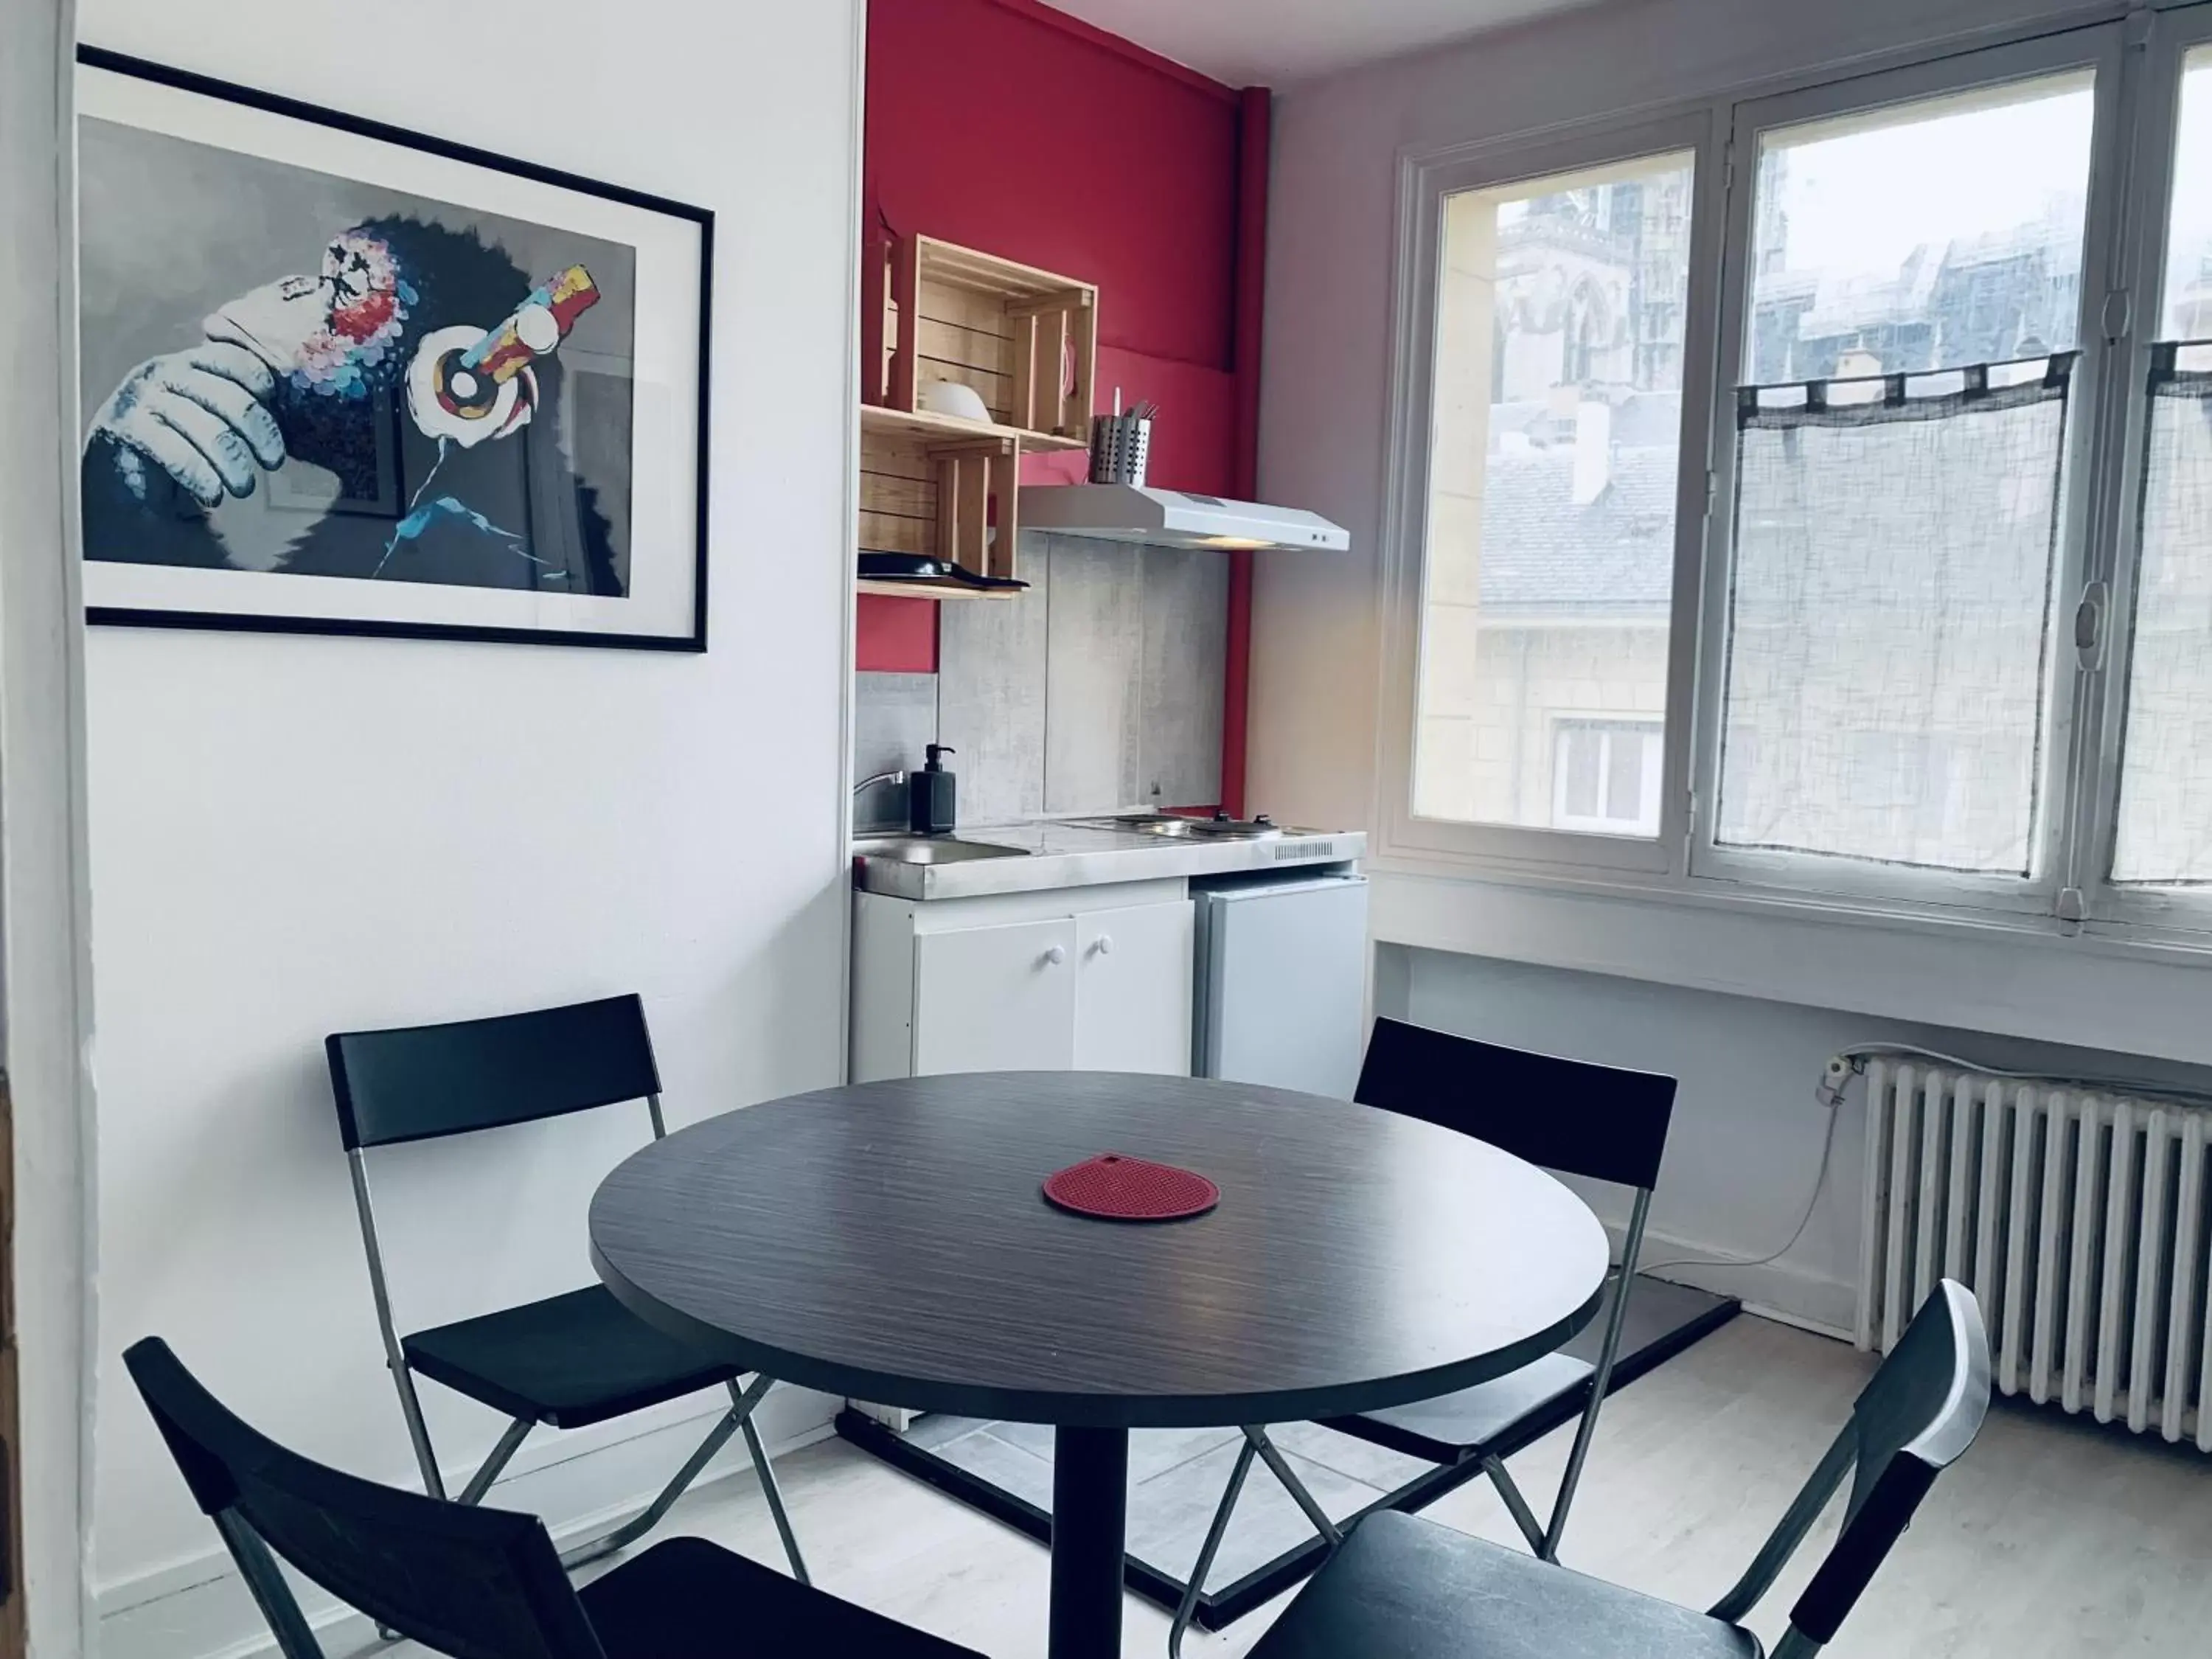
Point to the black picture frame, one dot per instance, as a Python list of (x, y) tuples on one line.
[(275, 104)]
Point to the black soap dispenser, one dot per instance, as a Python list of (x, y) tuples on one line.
[(929, 802)]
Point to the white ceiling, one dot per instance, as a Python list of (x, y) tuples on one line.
[(1277, 42)]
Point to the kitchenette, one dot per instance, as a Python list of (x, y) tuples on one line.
[(1135, 942), (1047, 870)]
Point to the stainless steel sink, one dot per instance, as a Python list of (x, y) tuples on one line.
[(931, 849)]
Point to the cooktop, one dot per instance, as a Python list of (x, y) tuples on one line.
[(1174, 826)]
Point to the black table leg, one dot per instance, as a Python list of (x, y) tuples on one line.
[(1090, 1521)]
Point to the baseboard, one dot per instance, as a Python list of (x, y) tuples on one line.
[(1773, 1289), (199, 1609), (538, 1455)]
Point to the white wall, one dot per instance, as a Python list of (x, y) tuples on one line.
[(1747, 1137), (44, 1017), (1746, 1142), (295, 835)]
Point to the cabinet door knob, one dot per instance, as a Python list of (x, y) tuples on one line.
[(1055, 956), (1105, 945)]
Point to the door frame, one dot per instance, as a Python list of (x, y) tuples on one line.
[(46, 998)]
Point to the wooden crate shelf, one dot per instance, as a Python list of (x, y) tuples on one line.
[(1026, 340), (945, 494), (890, 590), (924, 425)]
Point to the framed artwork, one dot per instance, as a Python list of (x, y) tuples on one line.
[(341, 378)]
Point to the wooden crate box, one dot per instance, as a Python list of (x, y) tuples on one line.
[(1026, 340), (938, 494)]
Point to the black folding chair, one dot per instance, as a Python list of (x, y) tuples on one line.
[(1415, 1589), (566, 1361), (1599, 1121), (474, 1583)]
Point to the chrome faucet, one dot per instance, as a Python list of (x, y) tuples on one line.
[(880, 777)]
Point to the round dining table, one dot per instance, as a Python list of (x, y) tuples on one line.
[(890, 1242)]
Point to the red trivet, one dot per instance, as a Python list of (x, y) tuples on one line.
[(1114, 1187)]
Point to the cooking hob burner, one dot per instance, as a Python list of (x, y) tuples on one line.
[(1170, 826)]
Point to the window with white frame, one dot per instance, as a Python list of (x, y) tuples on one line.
[(1901, 413), (2165, 819), (1554, 456), (1606, 775), (1950, 332)]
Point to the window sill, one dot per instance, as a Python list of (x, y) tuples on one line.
[(2026, 977)]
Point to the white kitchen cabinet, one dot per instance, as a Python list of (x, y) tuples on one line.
[(1133, 993), (1098, 978), (998, 999)]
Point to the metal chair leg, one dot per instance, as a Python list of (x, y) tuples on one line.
[(1602, 1381), (418, 1432), (643, 1522), (1515, 1504), (395, 1351), (510, 1441), (1258, 1439), (501, 1454), (1188, 1606), (295, 1639), (772, 1490)]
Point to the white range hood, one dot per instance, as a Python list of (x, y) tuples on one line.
[(1174, 518)]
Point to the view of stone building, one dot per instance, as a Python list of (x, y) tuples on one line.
[(1557, 416), (2016, 293)]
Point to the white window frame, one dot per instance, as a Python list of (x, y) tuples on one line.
[(2138, 61), (1426, 179), (2158, 49), (2098, 49), (1609, 729)]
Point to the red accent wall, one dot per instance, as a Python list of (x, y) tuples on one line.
[(999, 127), (895, 636), (1012, 128)]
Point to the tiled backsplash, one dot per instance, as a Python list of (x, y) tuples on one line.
[(894, 719), (1100, 688)]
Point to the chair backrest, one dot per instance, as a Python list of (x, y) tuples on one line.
[(1601, 1122), (1920, 1411), (473, 1583), (423, 1081)]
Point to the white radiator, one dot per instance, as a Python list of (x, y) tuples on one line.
[(2080, 1220)]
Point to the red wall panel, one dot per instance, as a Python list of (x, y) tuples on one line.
[(997, 127), (896, 637), (1194, 440), (1007, 127)]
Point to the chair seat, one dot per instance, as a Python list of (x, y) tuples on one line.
[(1413, 1589), (689, 1599), (1535, 1400), (567, 1361)]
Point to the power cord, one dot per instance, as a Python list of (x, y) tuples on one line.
[(1829, 1092), (1813, 1203)]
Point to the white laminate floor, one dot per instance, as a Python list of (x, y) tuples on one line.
[(2053, 1539)]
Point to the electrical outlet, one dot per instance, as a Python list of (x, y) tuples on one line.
[(1830, 1090)]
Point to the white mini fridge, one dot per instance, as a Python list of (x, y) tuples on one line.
[(1281, 985)]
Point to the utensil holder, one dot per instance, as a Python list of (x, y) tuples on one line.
[(1121, 447)]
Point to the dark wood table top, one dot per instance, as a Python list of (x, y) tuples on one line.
[(888, 1242)]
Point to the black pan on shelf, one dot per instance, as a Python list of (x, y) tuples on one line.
[(923, 571)]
